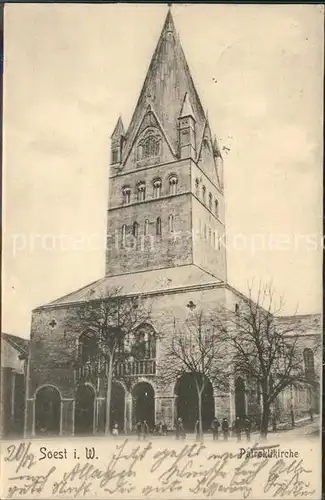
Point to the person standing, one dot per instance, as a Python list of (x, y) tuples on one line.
[(247, 427), (215, 428), (179, 428), (115, 430), (138, 429), (144, 429), (225, 428), (238, 428)]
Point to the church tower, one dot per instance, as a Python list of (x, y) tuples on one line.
[(166, 200)]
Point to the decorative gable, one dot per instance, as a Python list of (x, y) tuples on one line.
[(207, 157), (151, 145)]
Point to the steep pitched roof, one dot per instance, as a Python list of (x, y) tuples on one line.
[(187, 109), (153, 281), (166, 84), (18, 343), (119, 129)]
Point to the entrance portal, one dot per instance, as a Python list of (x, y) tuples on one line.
[(187, 404), (118, 406), (144, 403), (47, 411), (84, 410)]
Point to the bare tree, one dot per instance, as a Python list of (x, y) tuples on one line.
[(265, 354), (194, 350), (110, 321)]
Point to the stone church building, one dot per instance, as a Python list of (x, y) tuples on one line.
[(165, 243)]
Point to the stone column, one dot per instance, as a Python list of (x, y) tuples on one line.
[(30, 417), (222, 405), (67, 417), (165, 409), (128, 412), (174, 411)]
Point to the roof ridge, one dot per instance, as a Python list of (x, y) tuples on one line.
[(11, 339), (71, 293)]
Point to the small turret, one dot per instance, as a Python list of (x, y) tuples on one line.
[(187, 135), (219, 161), (117, 140)]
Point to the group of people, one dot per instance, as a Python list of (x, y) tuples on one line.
[(161, 429), (239, 426)]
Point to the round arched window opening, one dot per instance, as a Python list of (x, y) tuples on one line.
[(173, 182)]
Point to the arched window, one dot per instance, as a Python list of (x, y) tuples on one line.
[(210, 202), (141, 191), (236, 309), (197, 188), (149, 145), (205, 231), (204, 194), (210, 235), (135, 229), (144, 342), (158, 226), (216, 208), (171, 223), (309, 364), (173, 181), (123, 235), (146, 227), (114, 156), (157, 188), (129, 341), (126, 195)]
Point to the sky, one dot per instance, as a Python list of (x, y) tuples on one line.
[(71, 70)]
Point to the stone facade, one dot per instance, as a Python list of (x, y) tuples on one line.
[(165, 230)]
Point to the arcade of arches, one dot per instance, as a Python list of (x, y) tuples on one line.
[(85, 413), (47, 411)]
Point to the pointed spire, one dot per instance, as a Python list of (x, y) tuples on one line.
[(187, 109), (169, 26), (119, 129), (167, 81), (216, 148)]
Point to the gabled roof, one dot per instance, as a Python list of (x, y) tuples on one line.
[(150, 112), (167, 82), (187, 109), (307, 324), (144, 282), (18, 343), (119, 129)]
